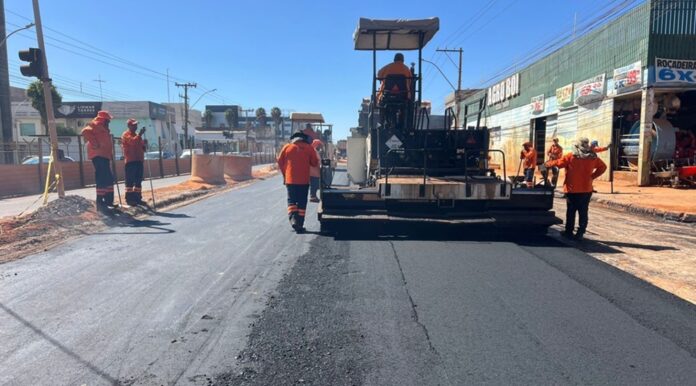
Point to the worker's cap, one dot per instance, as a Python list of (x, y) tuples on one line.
[(298, 134), (399, 57), (103, 114), (527, 144), (555, 139), (594, 143), (132, 122), (308, 126), (316, 144)]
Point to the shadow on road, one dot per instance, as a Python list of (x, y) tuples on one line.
[(444, 232), (60, 346), (156, 227), (171, 215)]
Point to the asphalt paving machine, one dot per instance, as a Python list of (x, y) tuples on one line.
[(405, 170)]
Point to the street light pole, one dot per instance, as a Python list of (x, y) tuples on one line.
[(14, 32), (202, 95)]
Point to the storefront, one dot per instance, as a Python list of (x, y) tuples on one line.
[(607, 86)]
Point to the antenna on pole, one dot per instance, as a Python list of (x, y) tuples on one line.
[(101, 94)]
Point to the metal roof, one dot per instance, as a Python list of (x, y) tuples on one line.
[(400, 34), (307, 117)]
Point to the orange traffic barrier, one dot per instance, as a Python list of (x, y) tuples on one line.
[(208, 169), (237, 168)]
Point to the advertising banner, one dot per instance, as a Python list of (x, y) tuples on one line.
[(590, 90), (626, 79), (675, 72), (78, 109), (564, 96), (537, 104)]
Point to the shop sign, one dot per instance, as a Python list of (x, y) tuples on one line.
[(537, 104), (504, 90), (157, 111), (625, 79), (564, 96), (675, 72), (78, 110), (590, 90)]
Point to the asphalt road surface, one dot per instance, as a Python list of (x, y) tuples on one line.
[(222, 292)]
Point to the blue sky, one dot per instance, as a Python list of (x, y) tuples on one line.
[(296, 55)]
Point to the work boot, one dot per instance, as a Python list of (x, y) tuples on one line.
[(579, 236), (567, 235), (314, 199), (293, 221)]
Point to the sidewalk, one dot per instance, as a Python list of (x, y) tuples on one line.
[(26, 204), (664, 202)]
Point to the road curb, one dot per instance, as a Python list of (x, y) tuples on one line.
[(646, 211)]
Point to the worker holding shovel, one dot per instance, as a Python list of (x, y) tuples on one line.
[(100, 151)]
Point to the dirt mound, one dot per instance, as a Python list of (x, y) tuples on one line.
[(70, 206)]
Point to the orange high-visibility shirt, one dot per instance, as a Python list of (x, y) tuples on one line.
[(99, 141), (394, 68), (555, 152), (133, 146), (599, 149), (580, 172), (294, 162), (529, 158)]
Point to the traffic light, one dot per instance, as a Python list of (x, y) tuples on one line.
[(35, 59)]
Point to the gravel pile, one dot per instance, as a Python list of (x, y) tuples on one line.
[(70, 206)]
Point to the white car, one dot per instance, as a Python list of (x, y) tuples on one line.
[(187, 153)]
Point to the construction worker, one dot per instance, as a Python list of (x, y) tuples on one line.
[(397, 67), (598, 149), (310, 133), (134, 145), (582, 167), (100, 150), (314, 174), (555, 152), (528, 157), (294, 162)]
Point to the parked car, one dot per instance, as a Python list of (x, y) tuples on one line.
[(33, 160), (187, 153), (155, 155)]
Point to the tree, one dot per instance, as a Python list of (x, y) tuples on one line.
[(231, 118), (261, 116), (276, 116), (36, 96), (208, 117)]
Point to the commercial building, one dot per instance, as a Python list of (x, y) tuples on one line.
[(630, 82)]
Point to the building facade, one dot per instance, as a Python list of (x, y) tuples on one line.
[(631, 83)]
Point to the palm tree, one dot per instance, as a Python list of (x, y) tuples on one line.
[(208, 117), (261, 116), (231, 118), (36, 95), (276, 115)]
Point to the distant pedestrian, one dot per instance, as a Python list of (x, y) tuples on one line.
[(528, 157), (555, 152), (582, 167), (315, 174), (134, 145), (100, 150), (294, 162)]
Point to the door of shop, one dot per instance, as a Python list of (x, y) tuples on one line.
[(537, 136)]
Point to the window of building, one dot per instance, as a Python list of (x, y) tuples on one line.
[(27, 129)]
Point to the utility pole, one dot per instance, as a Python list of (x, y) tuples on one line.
[(48, 100), (457, 93), (247, 127), (5, 104), (186, 86), (101, 95)]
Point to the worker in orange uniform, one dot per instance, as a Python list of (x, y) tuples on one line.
[(100, 150), (310, 132), (555, 153), (134, 145), (582, 167), (397, 67), (294, 162), (315, 174), (528, 157), (598, 149)]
